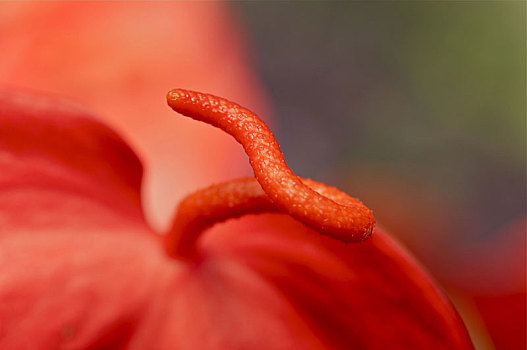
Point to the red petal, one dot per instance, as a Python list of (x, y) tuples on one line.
[(53, 154), (319, 293), (77, 288), (73, 274)]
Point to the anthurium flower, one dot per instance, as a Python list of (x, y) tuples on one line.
[(81, 269)]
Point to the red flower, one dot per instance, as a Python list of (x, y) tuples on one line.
[(80, 268)]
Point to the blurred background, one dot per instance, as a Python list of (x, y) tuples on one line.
[(417, 108)]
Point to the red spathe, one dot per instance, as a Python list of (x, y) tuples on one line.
[(80, 268)]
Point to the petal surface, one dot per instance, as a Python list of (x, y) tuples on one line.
[(76, 256), (268, 282), (52, 150)]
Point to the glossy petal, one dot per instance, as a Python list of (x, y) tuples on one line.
[(367, 296), (51, 150)]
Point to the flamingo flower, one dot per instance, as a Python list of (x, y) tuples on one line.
[(81, 269)]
